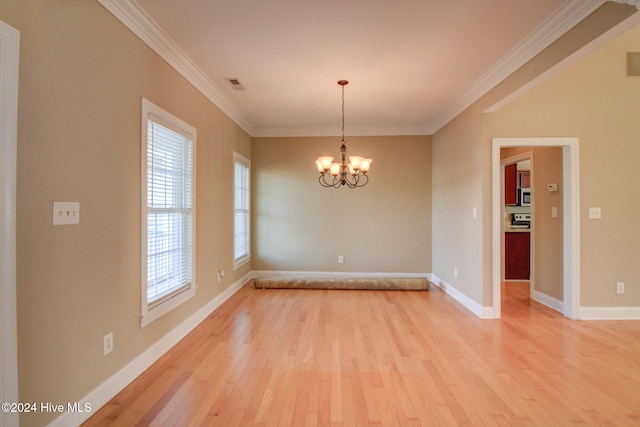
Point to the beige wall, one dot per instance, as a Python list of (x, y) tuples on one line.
[(382, 227), (591, 100), (82, 76), (457, 189)]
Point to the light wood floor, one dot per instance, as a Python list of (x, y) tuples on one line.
[(387, 358)]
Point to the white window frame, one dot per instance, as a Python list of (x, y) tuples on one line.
[(151, 312), (246, 257)]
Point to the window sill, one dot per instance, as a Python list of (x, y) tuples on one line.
[(163, 308), (241, 262)]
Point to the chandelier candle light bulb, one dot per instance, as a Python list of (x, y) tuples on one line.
[(352, 174)]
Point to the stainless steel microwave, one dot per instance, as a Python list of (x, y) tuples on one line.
[(524, 197)]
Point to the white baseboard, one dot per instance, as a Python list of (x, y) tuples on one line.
[(610, 313), (550, 302), (112, 386), (477, 309)]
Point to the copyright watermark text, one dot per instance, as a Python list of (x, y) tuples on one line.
[(26, 407)]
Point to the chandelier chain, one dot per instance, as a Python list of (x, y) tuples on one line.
[(342, 113)]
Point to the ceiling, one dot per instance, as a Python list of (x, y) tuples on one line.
[(412, 65)]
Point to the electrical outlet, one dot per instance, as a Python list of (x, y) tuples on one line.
[(340, 259), (620, 287), (455, 273), (108, 343)]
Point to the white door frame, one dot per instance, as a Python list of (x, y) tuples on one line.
[(9, 61), (571, 218)]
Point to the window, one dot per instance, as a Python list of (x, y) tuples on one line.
[(168, 206), (241, 217)]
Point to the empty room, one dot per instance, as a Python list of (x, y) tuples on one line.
[(299, 213)]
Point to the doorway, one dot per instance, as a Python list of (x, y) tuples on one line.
[(570, 224), (518, 237), (9, 55)]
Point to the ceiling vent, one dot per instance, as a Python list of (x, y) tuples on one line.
[(633, 64), (235, 84)]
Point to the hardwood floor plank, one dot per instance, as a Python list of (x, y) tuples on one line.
[(387, 358)]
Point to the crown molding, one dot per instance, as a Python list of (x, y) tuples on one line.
[(635, 3), (565, 18), (324, 131), (605, 38), (142, 25)]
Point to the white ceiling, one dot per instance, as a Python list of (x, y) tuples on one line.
[(412, 65)]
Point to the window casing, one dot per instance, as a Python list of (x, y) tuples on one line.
[(168, 212), (242, 212)]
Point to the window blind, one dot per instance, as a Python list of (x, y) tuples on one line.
[(241, 211), (169, 212)]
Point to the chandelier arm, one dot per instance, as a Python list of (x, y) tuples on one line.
[(357, 181), (322, 180), (352, 182)]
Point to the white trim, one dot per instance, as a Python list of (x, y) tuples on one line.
[(468, 303), (614, 32), (564, 19), (571, 229), (353, 131), (163, 308), (101, 395), (571, 217), (142, 25), (610, 313), (547, 300), (241, 262), (237, 263), (9, 66), (151, 111)]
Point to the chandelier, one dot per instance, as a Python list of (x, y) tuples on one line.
[(352, 174)]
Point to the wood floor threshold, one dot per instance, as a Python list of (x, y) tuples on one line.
[(300, 357)]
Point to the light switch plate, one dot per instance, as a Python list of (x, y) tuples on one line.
[(594, 213), (65, 213)]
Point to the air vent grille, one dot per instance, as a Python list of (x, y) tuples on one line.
[(235, 84)]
